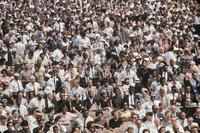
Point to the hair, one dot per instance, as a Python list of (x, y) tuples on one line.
[(73, 129), (112, 113), (57, 119), (98, 112), (159, 131), (14, 111), (146, 130), (24, 123)]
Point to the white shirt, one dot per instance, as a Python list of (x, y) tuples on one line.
[(131, 75), (33, 87), (3, 128), (50, 83), (97, 59), (32, 121), (15, 86), (140, 129), (36, 55), (80, 91), (20, 48), (23, 110), (108, 31), (36, 103), (82, 123), (57, 55), (177, 84)]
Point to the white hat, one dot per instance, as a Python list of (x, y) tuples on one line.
[(16, 74), (97, 35), (47, 75), (144, 89), (48, 90), (131, 35), (40, 93), (194, 125), (32, 77)]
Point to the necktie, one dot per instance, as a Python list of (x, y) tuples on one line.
[(34, 88), (84, 123), (18, 85)]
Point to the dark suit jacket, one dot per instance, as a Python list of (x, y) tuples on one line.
[(60, 104), (192, 97), (4, 96), (88, 104), (187, 128), (126, 99), (160, 116), (188, 110), (194, 88)]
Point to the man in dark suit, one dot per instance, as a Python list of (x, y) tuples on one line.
[(193, 83), (188, 94), (56, 80), (196, 116), (156, 113), (63, 102), (188, 108), (90, 100), (131, 98), (189, 121)]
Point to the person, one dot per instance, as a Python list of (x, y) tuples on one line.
[(130, 130), (16, 84), (125, 113), (116, 121), (25, 127), (139, 126), (100, 119), (58, 54), (38, 101), (62, 102)]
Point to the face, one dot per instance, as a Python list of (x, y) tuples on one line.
[(130, 130), (157, 122), (198, 112), (41, 123), (117, 92), (62, 96), (163, 130), (194, 129), (76, 130), (173, 108), (190, 121), (76, 96), (10, 126), (138, 123), (85, 114)]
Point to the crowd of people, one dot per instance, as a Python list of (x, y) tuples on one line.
[(93, 66)]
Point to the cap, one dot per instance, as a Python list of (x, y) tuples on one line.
[(16, 74), (47, 75), (131, 35), (40, 93), (194, 125), (32, 77), (144, 89)]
